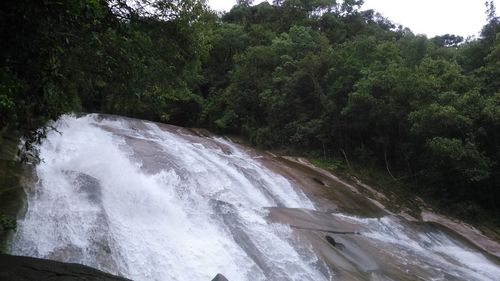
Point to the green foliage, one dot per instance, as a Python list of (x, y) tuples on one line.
[(307, 75), (461, 158), (352, 82), (7, 223), (491, 110), (331, 164)]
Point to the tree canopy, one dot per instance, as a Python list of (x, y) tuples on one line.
[(306, 75)]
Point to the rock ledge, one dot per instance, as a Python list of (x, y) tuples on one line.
[(18, 268)]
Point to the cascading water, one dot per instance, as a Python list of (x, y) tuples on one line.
[(427, 252), (129, 197), (155, 202)]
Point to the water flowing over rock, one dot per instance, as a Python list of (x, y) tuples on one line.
[(150, 201)]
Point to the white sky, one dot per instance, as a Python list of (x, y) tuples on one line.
[(430, 17)]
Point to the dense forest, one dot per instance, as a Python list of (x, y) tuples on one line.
[(308, 76)]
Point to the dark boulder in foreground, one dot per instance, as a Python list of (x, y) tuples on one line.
[(17, 268), (219, 277)]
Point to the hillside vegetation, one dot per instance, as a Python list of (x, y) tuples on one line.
[(309, 76)]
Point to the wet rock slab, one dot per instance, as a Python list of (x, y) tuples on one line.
[(466, 231)]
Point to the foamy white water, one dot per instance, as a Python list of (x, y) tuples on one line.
[(133, 199), (155, 202), (441, 256)]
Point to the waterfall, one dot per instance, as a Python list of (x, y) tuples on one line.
[(150, 201), (155, 203)]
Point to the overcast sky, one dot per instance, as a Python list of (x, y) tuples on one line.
[(430, 17)]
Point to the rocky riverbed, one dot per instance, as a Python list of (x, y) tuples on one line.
[(150, 201)]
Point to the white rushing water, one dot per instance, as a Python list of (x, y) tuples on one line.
[(429, 252), (134, 199), (156, 202)]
